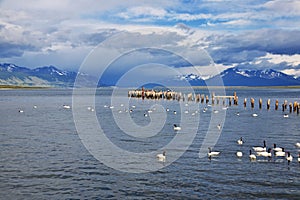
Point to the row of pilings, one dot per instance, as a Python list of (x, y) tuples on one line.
[(214, 99), (179, 96)]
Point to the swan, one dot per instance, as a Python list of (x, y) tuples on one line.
[(297, 144), (212, 153), (280, 153), (238, 114), (239, 154), (277, 148), (285, 115), (289, 157), (240, 141), (176, 128), (66, 106), (265, 153), (260, 149), (252, 156), (161, 157), (35, 106), (167, 109), (299, 158), (254, 115), (216, 111)]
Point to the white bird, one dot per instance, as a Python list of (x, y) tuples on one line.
[(299, 158), (176, 128), (277, 148), (260, 149), (239, 154), (297, 144), (238, 114), (167, 109), (252, 157), (175, 112), (289, 157), (21, 111), (219, 126), (161, 157), (254, 115), (285, 115), (35, 106), (240, 141), (212, 153), (66, 106), (216, 111), (265, 153), (280, 153)]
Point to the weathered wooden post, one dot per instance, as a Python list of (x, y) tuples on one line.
[(245, 102), (218, 100), (235, 99), (223, 101), (252, 103), (283, 107), (260, 103), (229, 101), (276, 104), (291, 107), (207, 99), (268, 104), (295, 106), (298, 108), (202, 98), (213, 98)]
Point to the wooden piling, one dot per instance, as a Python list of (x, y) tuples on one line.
[(260, 103), (291, 107), (268, 104), (207, 99), (252, 102), (245, 102), (276, 104)]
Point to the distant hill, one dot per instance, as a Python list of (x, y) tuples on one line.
[(50, 76)]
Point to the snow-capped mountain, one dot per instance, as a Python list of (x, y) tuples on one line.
[(48, 76), (241, 77)]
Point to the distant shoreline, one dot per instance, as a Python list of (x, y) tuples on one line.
[(9, 87)]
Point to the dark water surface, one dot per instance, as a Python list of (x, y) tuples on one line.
[(42, 156)]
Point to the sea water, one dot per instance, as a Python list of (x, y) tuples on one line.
[(42, 156)]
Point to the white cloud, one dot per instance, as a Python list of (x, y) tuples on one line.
[(292, 60)]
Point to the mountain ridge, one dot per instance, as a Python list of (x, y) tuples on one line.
[(51, 76)]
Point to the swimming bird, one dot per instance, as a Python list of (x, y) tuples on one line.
[(260, 149), (285, 115), (254, 115), (161, 157), (66, 106), (265, 153), (176, 128), (212, 153), (238, 114), (35, 106), (280, 153), (277, 148), (297, 144), (299, 158), (239, 154), (252, 157), (175, 112), (289, 157), (240, 141), (219, 126), (21, 111)]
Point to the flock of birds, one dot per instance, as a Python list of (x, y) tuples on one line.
[(261, 151), (254, 152)]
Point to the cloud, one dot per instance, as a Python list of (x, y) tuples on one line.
[(252, 44)]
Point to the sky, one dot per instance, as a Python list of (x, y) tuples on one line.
[(249, 34)]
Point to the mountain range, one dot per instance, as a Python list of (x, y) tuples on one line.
[(50, 76)]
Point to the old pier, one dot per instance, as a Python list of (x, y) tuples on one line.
[(212, 99)]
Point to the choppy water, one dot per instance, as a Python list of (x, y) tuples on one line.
[(42, 156)]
